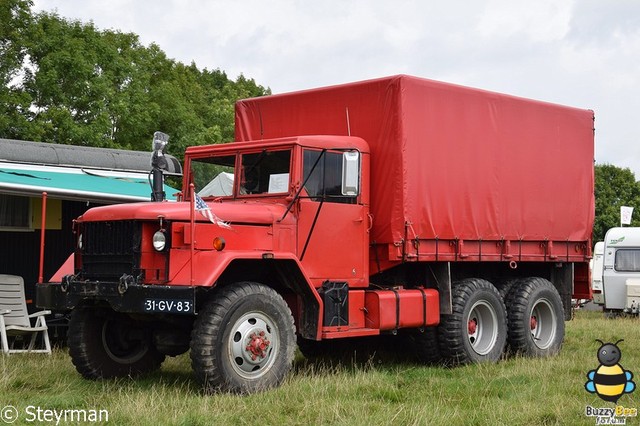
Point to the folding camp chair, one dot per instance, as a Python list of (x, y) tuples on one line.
[(15, 319)]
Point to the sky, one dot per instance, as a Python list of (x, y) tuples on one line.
[(581, 53)]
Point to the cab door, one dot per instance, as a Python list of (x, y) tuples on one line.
[(332, 222)]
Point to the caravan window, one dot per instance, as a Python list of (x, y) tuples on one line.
[(628, 260)]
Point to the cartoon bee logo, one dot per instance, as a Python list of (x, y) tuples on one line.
[(609, 381)]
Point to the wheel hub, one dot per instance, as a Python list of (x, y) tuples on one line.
[(533, 323), (123, 341), (253, 345), (482, 327), (258, 345), (472, 326), (543, 323)]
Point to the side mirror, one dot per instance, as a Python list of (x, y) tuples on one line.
[(158, 164), (351, 173), (159, 146)]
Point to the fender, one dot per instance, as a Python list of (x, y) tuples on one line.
[(221, 270), (285, 274)]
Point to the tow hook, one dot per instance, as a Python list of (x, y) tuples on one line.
[(66, 280), (124, 283)]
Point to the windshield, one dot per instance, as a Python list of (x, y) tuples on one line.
[(265, 172), (213, 177)]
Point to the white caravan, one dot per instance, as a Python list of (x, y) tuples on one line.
[(621, 271)]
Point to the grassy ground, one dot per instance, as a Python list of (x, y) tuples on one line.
[(517, 391)]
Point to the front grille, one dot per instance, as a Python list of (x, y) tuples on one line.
[(111, 249)]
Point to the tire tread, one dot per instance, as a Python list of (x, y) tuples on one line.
[(451, 331), (88, 356), (209, 327), (518, 302)]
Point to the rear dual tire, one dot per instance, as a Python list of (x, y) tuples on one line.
[(536, 318), (476, 330), (481, 325)]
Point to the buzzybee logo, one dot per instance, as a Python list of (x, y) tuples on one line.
[(609, 381)]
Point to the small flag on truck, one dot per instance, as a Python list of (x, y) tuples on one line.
[(202, 207)]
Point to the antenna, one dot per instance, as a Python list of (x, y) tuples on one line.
[(348, 122), (261, 128)]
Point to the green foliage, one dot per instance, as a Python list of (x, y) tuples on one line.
[(15, 20), (68, 82), (614, 187)]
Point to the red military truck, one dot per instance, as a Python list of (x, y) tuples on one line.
[(460, 216)]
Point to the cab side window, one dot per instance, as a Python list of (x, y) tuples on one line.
[(324, 181)]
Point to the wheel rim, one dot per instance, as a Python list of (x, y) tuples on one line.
[(253, 345), (543, 323), (121, 342), (482, 327)]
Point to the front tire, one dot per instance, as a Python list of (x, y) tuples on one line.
[(476, 331), (243, 340), (105, 344), (536, 318)]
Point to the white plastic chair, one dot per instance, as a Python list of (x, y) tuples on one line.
[(15, 319)]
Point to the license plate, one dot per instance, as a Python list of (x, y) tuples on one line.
[(170, 306)]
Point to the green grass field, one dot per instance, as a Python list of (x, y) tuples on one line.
[(516, 391)]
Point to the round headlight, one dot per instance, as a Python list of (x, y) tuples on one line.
[(159, 240)]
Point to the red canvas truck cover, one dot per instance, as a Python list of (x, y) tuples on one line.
[(450, 162)]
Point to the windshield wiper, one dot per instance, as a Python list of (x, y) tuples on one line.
[(297, 196)]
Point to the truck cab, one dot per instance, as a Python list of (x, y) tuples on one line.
[(272, 223), (313, 190)]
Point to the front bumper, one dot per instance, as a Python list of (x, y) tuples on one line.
[(132, 298)]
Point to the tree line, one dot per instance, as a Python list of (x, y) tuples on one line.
[(67, 82), (614, 187)]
